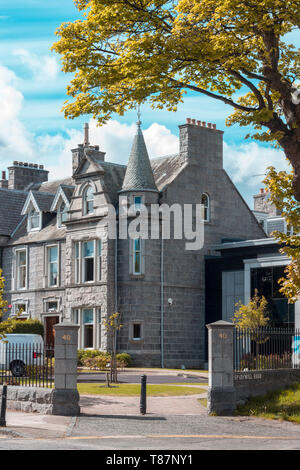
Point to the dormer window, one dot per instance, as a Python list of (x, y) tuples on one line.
[(62, 214), (34, 220), (88, 201)]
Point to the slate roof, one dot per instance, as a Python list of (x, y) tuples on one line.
[(11, 205), (44, 200), (166, 169), (139, 175)]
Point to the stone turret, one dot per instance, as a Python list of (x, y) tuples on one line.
[(139, 175)]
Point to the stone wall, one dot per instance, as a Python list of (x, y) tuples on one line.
[(258, 383), (29, 399)]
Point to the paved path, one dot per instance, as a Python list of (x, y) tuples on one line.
[(114, 423)]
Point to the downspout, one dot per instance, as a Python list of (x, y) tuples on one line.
[(116, 280), (162, 302)]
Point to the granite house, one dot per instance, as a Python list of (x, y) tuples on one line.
[(60, 264)]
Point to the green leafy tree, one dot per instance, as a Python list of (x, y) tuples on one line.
[(123, 52), (253, 315), (281, 194)]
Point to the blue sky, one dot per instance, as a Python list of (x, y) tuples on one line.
[(32, 92)]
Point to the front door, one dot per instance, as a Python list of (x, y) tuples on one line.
[(49, 330)]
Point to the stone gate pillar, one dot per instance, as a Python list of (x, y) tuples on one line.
[(221, 392), (65, 393)]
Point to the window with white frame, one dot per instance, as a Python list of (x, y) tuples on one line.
[(62, 214), (89, 321), (88, 256), (20, 308), (51, 306), (137, 256), (205, 201), (34, 220), (88, 201), (21, 269), (52, 265), (136, 331)]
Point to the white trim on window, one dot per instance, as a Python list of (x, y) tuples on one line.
[(21, 269), (87, 261), (89, 321)]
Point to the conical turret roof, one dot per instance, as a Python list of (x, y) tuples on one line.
[(139, 174)]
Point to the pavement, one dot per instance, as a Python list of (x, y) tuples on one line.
[(19, 424), (115, 423)]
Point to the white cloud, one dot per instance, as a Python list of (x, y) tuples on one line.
[(247, 163), (42, 68)]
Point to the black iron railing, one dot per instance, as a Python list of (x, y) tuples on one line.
[(266, 348), (29, 365)]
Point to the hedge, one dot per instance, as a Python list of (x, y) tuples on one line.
[(85, 357), (30, 326)]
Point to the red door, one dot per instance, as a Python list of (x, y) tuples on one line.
[(49, 330)]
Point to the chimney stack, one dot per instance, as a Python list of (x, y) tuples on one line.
[(22, 174), (4, 182), (201, 143)]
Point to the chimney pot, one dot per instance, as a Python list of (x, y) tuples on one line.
[(35, 165), (203, 124), (86, 135), (214, 126), (15, 163), (261, 190), (193, 121), (3, 175), (198, 123), (209, 124), (188, 120), (31, 165)]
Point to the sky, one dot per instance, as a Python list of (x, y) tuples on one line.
[(33, 91)]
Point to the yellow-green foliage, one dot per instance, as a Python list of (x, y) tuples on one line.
[(122, 52), (281, 194), (3, 304), (252, 315)]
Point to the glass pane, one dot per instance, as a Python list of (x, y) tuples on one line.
[(137, 244), (88, 315), (22, 277), (136, 331), (53, 274), (137, 201), (77, 250), (88, 269), (137, 263), (88, 336), (88, 249), (52, 306), (75, 317), (22, 257), (53, 253)]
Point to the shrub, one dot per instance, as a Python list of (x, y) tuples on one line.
[(95, 359), (97, 362), (30, 326), (124, 359), (83, 354)]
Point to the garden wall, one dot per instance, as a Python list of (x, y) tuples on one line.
[(29, 399), (257, 383)]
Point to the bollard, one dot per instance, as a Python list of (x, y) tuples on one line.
[(143, 394), (3, 406)]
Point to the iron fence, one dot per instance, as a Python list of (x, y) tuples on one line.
[(30, 365), (266, 348)]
